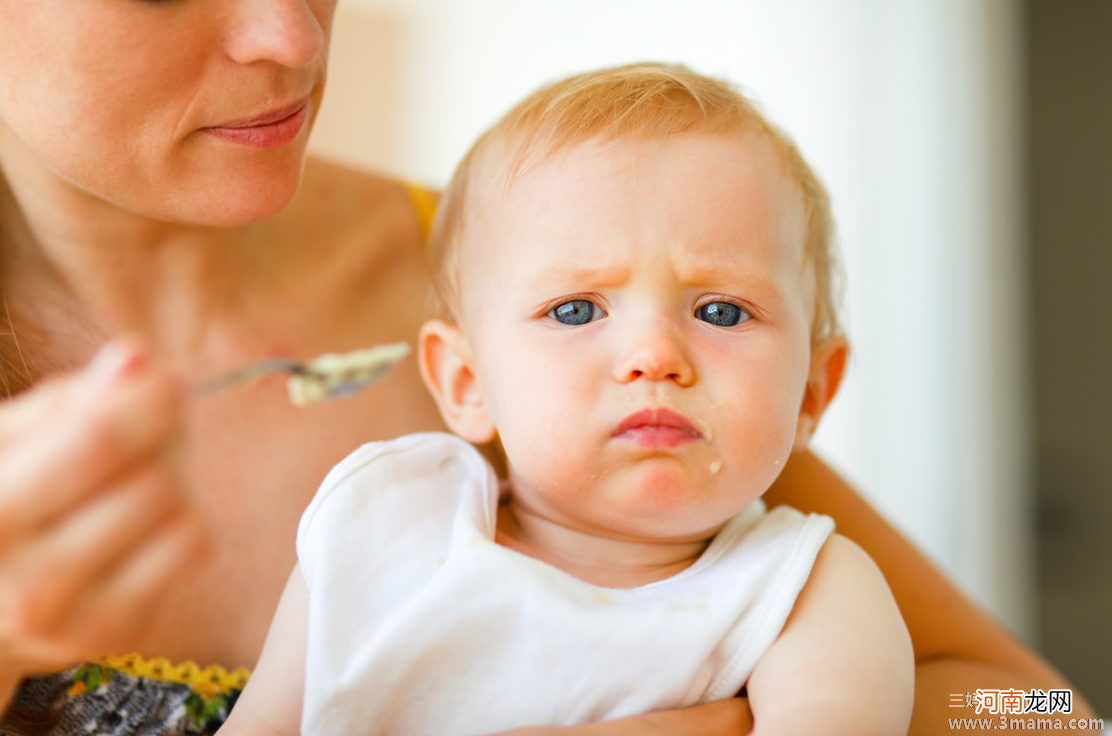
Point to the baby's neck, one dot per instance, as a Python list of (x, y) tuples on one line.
[(610, 562)]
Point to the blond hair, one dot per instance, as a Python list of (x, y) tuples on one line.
[(17, 366), (640, 101)]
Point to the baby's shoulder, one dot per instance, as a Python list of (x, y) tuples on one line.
[(842, 565)]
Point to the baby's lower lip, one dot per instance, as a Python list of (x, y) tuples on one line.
[(657, 436)]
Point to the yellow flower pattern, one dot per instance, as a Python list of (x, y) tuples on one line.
[(207, 682)]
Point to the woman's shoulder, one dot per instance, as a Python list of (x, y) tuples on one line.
[(352, 219), (356, 198), (334, 178), (352, 242)]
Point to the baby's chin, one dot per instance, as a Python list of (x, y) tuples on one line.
[(669, 500)]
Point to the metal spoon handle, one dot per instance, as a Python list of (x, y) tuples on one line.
[(246, 374)]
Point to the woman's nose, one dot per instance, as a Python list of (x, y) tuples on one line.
[(287, 32), (655, 353)]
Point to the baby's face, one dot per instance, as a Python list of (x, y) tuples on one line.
[(639, 315)]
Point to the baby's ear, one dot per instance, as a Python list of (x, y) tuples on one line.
[(828, 365), (447, 367)]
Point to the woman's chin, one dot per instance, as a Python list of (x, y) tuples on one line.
[(241, 214), (230, 204), (233, 189)]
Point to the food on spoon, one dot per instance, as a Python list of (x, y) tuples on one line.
[(338, 374)]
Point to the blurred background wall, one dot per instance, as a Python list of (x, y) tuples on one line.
[(1068, 70), (964, 145)]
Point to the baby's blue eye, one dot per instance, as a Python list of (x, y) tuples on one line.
[(722, 314), (575, 312)]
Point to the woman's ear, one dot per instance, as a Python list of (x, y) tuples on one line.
[(447, 366), (828, 365)]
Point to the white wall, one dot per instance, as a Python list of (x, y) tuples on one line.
[(907, 109)]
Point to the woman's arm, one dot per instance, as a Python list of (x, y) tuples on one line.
[(958, 647), (728, 717)]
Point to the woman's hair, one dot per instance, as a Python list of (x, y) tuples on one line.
[(15, 373), (640, 101)]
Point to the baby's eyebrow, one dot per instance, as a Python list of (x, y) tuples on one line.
[(595, 276), (749, 279), (752, 272)]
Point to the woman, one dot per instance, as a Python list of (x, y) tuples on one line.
[(158, 224)]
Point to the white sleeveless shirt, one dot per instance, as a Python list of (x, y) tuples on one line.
[(420, 624)]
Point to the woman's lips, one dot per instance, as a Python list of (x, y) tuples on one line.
[(657, 428), (269, 130)]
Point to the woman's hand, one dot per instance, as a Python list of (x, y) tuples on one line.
[(94, 526)]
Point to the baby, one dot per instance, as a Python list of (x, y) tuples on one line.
[(636, 276)]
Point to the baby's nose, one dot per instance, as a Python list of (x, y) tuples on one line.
[(655, 354)]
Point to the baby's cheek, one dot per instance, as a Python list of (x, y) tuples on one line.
[(755, 459), (753, 438), (542, 453)]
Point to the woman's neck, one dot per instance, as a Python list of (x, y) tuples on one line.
[(608, 561), (84, 270)]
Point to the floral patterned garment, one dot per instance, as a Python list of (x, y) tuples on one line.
[(133, 696)]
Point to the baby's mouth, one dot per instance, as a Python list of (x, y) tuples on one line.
[(657, 428)]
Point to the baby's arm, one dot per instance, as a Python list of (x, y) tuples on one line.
[(843, 663), (271, 702)]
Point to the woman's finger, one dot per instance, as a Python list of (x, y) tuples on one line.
[(46, 621), (71, 557), (93, 434), (117, 613)]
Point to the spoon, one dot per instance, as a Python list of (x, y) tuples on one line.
[(329, 376)]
